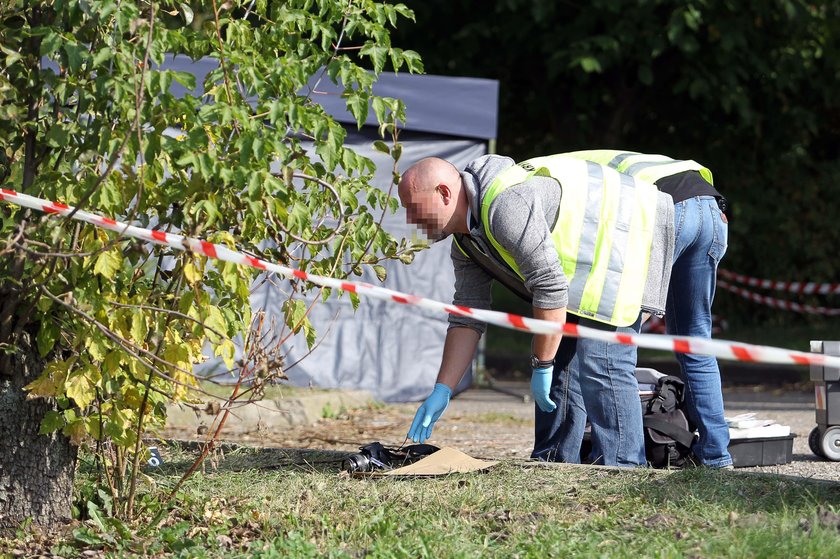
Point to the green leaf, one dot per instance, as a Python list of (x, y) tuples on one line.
[(75, 430), (215, 320), (95, 515), (187, 12), (57, 136), (381, 272), (310, 333), (50, 43), (184, 78), (102, 55), (227, 350), (380, 109), (52, 422), (97, 347), (295, 311), (47, 336), (112, 361), (413, 61), (139, 328), (590, 64), (76, 55), (11, 56), (378, 55), (357, 104), (108, 263)]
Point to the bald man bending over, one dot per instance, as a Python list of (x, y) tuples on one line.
[(510, 219)]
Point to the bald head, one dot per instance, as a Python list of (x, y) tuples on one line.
[(433, 198), (428, 173)]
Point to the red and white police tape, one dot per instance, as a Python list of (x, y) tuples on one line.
[(719, 348), (804, 288), (777, 303)]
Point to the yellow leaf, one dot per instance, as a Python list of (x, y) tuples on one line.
[(51, 381), (108, 263), (76, 431), (139, 329), (228, 352), (79, 388), (96, 348), (215, 320), (192, 273), (111, 362), (132, 396), (178, 355)]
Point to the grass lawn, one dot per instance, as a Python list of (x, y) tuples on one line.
[(249, 507)]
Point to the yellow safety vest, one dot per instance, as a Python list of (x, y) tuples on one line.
[(647, 167), (603, 233)]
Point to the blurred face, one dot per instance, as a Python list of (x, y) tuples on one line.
[(426, 209)]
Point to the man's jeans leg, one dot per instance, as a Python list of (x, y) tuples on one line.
[(598, 381), (558, 434), (701, 240)]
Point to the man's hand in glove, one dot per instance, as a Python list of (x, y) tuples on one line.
[(429, 412), (541, 386)]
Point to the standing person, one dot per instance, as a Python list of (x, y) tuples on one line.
[(701, 241), (575, 236)]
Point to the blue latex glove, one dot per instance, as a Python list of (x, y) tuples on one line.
[(541, 386), (429, 412)]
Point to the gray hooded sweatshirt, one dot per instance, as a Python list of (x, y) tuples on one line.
[(520, 219)]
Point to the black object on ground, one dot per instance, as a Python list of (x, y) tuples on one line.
[(761, 451), (375, 456)]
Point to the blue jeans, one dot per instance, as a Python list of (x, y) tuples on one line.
[(597, 380), (701, 240)]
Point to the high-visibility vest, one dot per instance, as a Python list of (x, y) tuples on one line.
[(603, 233), (647, 167)]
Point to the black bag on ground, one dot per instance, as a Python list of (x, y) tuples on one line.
[(668, 435), (376, 456)]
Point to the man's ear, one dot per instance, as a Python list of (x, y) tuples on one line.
[(445, 192)]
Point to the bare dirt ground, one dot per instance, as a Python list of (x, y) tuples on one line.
[(498, 424)]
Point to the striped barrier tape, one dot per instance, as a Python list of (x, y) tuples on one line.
[(777, 303), (723, 349), (803, 288)]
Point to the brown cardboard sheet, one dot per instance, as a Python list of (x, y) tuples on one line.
[(445, 461)]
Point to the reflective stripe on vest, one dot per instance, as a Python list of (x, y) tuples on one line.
[(603, 233), (643, 166)]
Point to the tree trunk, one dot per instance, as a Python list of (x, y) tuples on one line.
[(36, 471)]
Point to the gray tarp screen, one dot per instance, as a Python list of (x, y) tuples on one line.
[(389, 349)]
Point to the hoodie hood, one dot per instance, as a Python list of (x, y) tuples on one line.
[(482, 170)]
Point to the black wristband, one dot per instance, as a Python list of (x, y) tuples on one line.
[(538, 364)]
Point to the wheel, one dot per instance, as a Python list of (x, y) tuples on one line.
[(814, 442), (830, 443)]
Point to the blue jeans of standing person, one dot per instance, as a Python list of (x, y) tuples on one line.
[(701, 240), (594, 380)]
